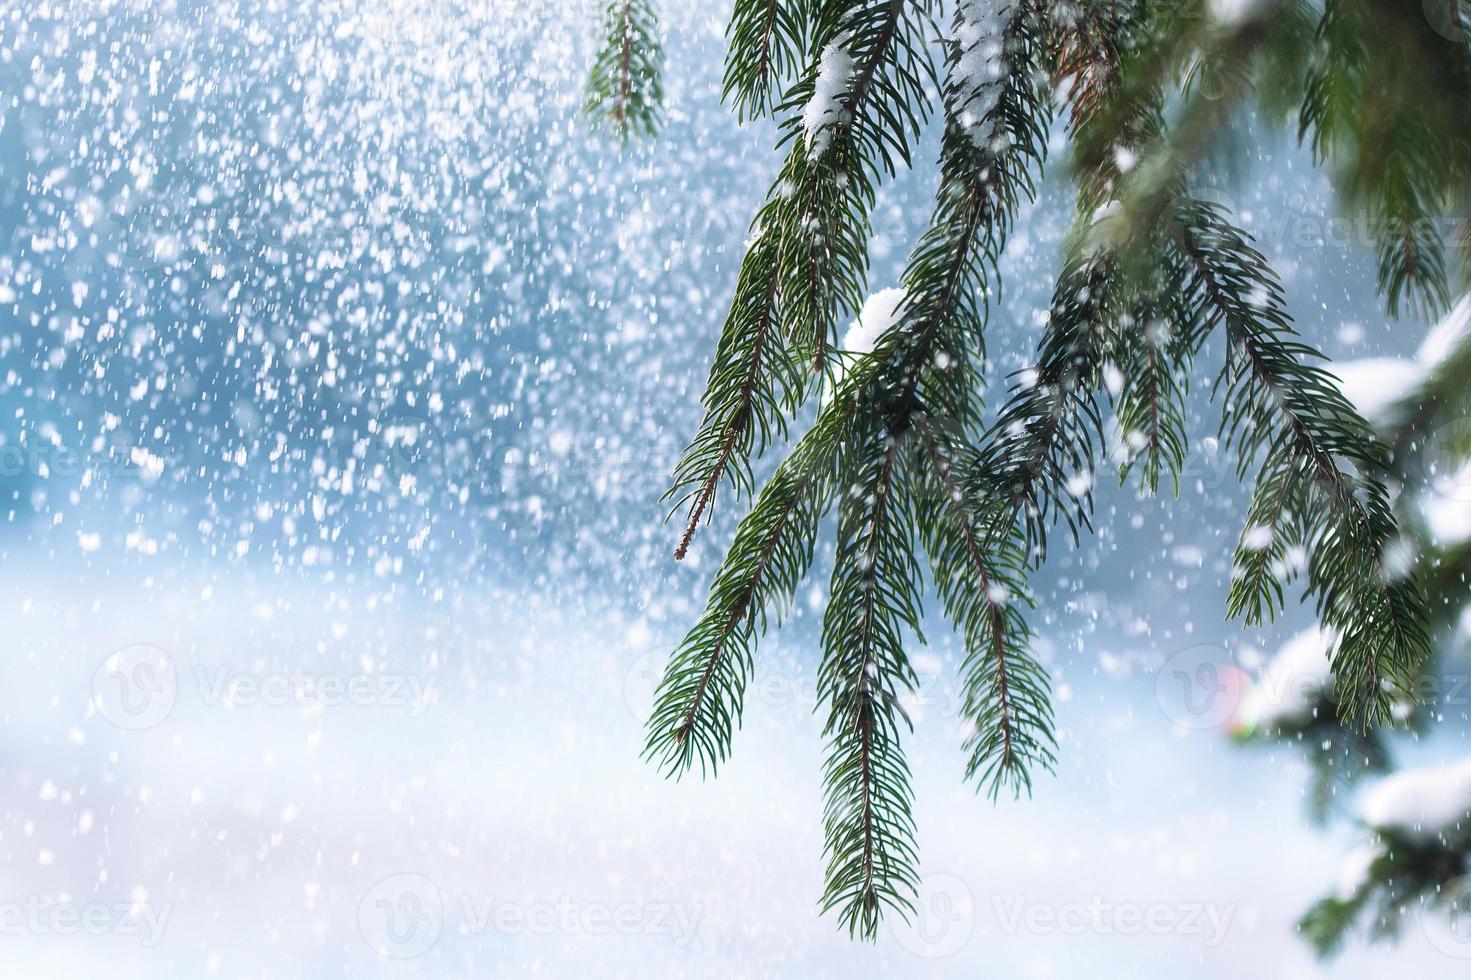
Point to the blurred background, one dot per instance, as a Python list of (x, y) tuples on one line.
[(341, 372)]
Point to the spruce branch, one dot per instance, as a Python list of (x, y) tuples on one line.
[(874, 599), (1339, 515), (926, 363), (625, 88), (994, 144), (996, 115), (1214, 60), (1397, 196), (1420, 873), (1284, 60), (1107, 111), (753, 383), (1306, 720), (902, 448), (1039, 453), (1156, 348), (979, 561), (765, 47), (1406, 875), (699, 699), (996, 118), (1386, 103), (1320, 486), (861, 106)]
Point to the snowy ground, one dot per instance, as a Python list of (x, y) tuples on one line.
[(502, 825)]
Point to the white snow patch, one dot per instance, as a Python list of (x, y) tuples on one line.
[(1354, 871), (1235, 11), (1291, 685), (825, 108), (979, 74), (1448, 515), (1446, 335), (1400, 556), (1258, 537), (1079, 483), (1422, 803), (1106, 210), (1376, 385), (880, 312)]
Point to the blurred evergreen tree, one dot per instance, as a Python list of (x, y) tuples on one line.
[(1416, 821)]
